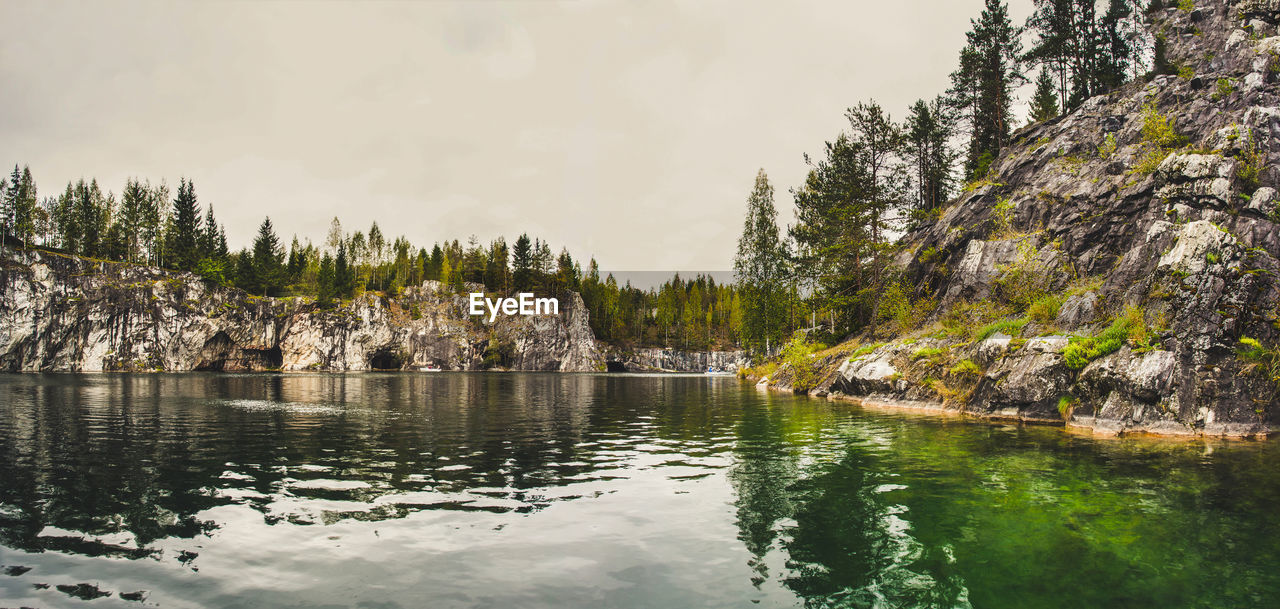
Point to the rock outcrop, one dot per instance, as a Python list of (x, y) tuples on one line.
[(673, 360), (61, 313), (1100, 208)]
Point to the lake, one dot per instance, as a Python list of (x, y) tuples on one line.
[(579, 490)]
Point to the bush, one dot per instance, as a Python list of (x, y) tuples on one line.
[(1012, 327), (1022, 281), (1046, 308), (864, 350), (1065, 405), (1129, 327), (1261, 358), (966, 369), (798, 355)]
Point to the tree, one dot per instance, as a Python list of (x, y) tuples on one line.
[(984, 83), (929, 156), (344, 276), (19, 205), (325, 279), (522, 263), (268, 263), (1053, 22), (1044, 105), (759, 268), (182, 249)]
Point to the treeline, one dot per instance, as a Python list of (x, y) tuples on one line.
[(148, 224), (881, 177)]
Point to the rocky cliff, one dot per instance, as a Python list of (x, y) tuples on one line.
[(673, 360), (60, 313), (1145, 220)]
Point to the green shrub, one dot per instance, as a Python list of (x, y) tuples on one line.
[(1002, 219), (864, 350), (1223, 89), (1157, 128), (1130, 326), (966, 369), (1262, 359), (798, 354), (1107, 147), (930, 353), (1249, 164), (1023, 281), (1066, 404), (1012, 327), (1046, 308)]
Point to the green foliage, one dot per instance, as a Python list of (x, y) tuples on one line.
[(1023, 281), (1186, 72), (1046, 308), (933, 354), (1011, 327), (966, 369), (1211, 257), (798, 355), (1159, 138), (1108, 146), (1158, 129), (1250, 163), (1223, 89), (1264, 360), (1066, 404), (1128, 327), (1186, 6), (864, 350), (1002, 219), (760, 269), (930, 254)]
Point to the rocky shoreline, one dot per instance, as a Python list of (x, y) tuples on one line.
[(68, 314)]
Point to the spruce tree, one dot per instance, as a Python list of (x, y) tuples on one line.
[(984, 84), (325, 282), (522, 263), (182, 249), (928, 154), (268, 271), (1044, 105)]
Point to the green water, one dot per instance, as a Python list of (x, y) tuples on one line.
[(545, 490)]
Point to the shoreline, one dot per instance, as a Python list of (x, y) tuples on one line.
[(939, 409)]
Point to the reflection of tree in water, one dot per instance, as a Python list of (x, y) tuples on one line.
[(764, 469), (113, 463), (822, 501)]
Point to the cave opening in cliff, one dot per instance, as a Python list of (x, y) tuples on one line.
[(386, 359), (614, 366)]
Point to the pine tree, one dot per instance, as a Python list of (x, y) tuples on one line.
[(759, 268), (325, 280), (268, 266), (929, 155), (1053, 22), (344, 276), (182, 248), (984, 84), (1044, 105), (522, 263)]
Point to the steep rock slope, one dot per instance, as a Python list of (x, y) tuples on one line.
[(1171, 232)]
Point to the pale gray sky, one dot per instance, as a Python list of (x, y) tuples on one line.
[(631, 131)]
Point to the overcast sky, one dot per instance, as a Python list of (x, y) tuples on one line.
[(631, 131)]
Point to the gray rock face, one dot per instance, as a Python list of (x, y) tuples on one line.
[(66, 314), (673, 360), (1190, 239)]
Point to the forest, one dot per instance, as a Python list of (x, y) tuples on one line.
[(828, 272)]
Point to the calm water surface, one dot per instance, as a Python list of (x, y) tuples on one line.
[(546, 490)]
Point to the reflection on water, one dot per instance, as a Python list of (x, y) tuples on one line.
[(548, 490)]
